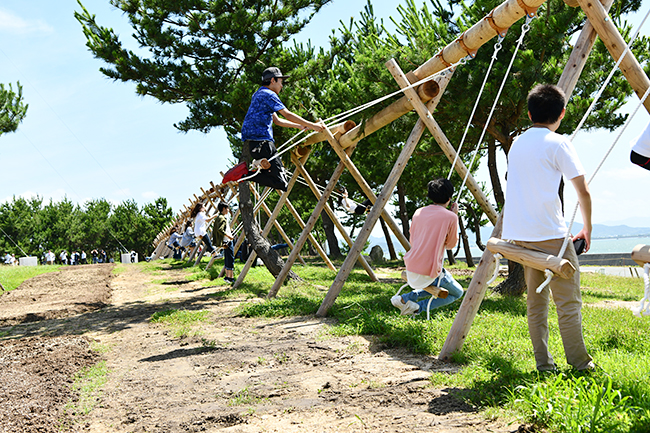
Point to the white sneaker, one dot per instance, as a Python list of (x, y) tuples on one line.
[(411, 308), (397, 303)]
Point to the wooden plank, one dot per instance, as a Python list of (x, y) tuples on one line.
[(533, 259)]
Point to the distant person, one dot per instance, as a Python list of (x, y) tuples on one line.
[(533, 219), (201, 222), (434, 228), (174, 242), (352, 206), (133, 256), (83, 257), (188, 236), (223, 235), (95, 255), (64, 257), (50, 257), (640, 154), (257, 130)]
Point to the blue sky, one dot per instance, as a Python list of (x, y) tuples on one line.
[(88, 137)]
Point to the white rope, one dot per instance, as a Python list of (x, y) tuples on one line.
[(497, 48), (497, 258), (338, 119), (609, 77), (524, 29), (644, 304), (575, 211)]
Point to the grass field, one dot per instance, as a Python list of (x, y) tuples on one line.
[(12, 276)]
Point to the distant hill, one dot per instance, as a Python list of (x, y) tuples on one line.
[(601, 231)]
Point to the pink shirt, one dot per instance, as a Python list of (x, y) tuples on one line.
[(433, 230)]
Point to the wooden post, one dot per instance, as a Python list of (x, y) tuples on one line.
[(382, 199), (579, 54), (615, 44), (356, 174), (312, 185), (471, 301), (314, 242), (267, 228), (444, 144), (279, 280), (275, 222)]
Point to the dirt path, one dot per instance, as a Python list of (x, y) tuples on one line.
[(249, 375)]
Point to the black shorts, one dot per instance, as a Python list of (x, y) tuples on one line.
[(640, 160)]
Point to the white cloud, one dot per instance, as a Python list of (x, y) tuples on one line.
[(150, 195), (11, 23)]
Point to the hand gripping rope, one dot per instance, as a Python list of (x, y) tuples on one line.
[(644, 304), (339, 119)]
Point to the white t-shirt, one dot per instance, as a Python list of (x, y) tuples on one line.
[(641, 144), (200, 227), (536, 163)]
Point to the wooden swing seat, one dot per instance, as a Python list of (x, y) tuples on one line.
[(534, 259)]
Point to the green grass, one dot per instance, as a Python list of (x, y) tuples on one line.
[(88, 383), (497, 366), (182, 323), (12, 276)]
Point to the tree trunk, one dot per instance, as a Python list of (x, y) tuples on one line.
[(450, 257), (262, 247), (332, 240), (494, 173), (463, 235), (389, 241), (403, 215), (515, 284)]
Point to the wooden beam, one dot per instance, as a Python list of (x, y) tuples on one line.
[(311, 222), (641, 254), (312, 185), (445, 145), (375, 211), (615, 44)]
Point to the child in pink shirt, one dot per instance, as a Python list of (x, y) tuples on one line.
[(434, 228)]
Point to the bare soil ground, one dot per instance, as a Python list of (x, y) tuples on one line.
[(238, 375)]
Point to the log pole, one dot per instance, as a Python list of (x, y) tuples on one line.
[(641, 254), (382, 200), (312, 185), (530, 258), (615, 44)]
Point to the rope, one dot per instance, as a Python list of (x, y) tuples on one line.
[(524, 29), (549, 274), (9, 237), (497, 48), (644, 304), (609, 77)]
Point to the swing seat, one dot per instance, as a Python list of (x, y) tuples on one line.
[(434, 291), (534, 259)]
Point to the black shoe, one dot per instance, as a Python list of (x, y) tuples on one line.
[(229, 280)]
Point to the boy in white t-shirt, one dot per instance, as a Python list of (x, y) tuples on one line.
[(533, 218)]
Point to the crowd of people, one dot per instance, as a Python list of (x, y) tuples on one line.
[(64, 258)]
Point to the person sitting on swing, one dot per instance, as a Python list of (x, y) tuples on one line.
[(352, 206), (257, 130), (434, 228), (640, 154), (533, 219)]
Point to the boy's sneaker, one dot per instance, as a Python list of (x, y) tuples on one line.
[(397, 303), (229, 280), (410, 309)]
